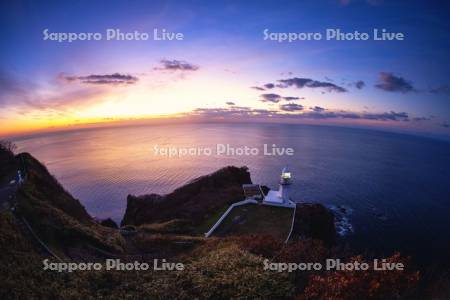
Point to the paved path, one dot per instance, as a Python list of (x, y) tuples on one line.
[(7, 195)]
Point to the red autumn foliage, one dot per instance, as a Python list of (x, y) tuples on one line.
[(264, 245), (308, 250), (368, 284)]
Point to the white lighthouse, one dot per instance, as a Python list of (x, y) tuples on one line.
[(285, 182), (281, 197)]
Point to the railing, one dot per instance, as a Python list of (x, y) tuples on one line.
[(21, 218), (225, 214), (43, 245), (292, 224)]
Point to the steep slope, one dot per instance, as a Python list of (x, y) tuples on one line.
[(315, 221), (55, 215), (194, 201)]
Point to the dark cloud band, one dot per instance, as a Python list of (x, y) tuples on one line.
[(317, 113), (310, 83), (108, 79), (177, 65), (391, 83), (275, 98)]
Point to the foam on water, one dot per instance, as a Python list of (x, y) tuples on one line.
[(342, 219)]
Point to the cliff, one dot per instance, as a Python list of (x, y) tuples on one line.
[(204, 197), (195, 201), (314, 221), (56, 217), (43, 186)]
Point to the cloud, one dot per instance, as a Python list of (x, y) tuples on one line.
[(12, 89), (176, 65), (258, 88), (310, 83), (269, 86), (387, 116), (292, 98), (67, 100), (317, 108), (231, 112), (104, 79), (317, 114), (302, 83), (57, 103), (291, 107), (27, 97), (230, 103), (392, 83), (359, 84), (275, 98), (8, 84), (446, 125), (266, 86), (418, 119), (442, 89)]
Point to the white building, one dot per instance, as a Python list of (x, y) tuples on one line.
[(281, 197), (253, 195)]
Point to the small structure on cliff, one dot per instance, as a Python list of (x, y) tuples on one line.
[(281, 197), (274, 210), (253, 191)]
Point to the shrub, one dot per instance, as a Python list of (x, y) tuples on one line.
[(368, 284), (264, 245), (230, 272), (7, 146), (172, 226)]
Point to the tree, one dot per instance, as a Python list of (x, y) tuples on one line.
[(7, 146)]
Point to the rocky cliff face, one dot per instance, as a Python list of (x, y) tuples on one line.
[(315, 221), (194, 201)]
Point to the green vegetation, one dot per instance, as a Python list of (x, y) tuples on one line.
[(175, 226), (210, 221), (196, 201), (56, 217), (257, 219), (164, 245)]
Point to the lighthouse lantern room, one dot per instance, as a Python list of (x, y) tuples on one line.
[(281, 197)]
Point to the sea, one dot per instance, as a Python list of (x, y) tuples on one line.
[(390, 191)]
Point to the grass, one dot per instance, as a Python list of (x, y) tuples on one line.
[(210, 221), (257, 219), (175, 226)]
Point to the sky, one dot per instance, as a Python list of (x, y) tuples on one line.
[(225, 68)]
